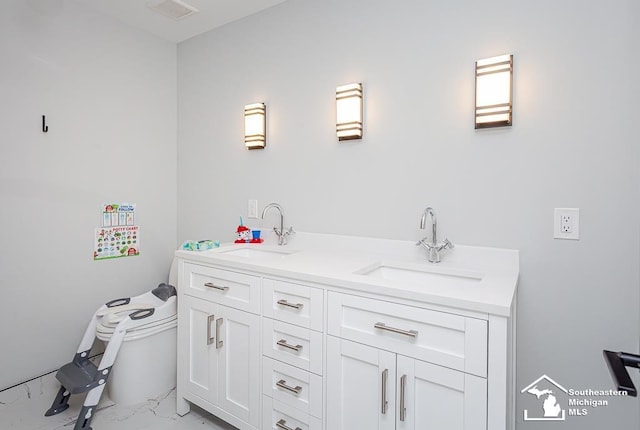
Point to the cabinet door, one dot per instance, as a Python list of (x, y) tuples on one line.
[(238, 341), (360, 386), (197, 357), (435, 397)]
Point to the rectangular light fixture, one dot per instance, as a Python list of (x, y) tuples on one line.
[(255, 126), (349, 112), (494, 92)]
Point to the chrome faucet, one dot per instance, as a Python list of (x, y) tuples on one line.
[(433, 247), (281, 233)]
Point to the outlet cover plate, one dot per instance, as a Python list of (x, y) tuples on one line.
[(566, 223), (252, 209)]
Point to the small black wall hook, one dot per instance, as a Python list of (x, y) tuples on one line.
[(45, 127)]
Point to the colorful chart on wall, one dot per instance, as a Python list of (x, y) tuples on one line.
[(116, 242), (119, 236)]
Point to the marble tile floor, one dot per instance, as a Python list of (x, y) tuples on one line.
[(23, 406)]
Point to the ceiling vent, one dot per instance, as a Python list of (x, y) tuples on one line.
[(175, 9)]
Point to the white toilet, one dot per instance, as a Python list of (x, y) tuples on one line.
[(145, 366)]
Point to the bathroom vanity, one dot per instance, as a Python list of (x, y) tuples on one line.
[(343, 333)]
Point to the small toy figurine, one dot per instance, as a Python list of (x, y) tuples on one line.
[(243, 234)]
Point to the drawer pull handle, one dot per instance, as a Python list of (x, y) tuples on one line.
[(217, 287), (210, 319), (403, 409), (283, 384), (219, 343), (385, 404), (383, 326), (282, 424), (284, 343), (297, 306)]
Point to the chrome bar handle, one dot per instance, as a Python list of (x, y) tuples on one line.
[(214, 286), (283, 384), (282, 424), (210, 319), (383, 326), (219, 343), (403, 409), (385, 404), (284, 343), (283, 302)]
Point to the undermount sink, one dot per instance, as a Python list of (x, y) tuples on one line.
[(257, 252), (417, 274)]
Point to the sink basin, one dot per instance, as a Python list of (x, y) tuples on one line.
[(420, 275), (257, 252)]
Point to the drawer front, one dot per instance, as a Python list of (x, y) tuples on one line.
[(278, 416), (294, 387), (449, 340), (233, 289), (293, 345), (293, 303)]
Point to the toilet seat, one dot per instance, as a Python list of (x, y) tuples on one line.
[(122, 308), (109, 327), (104, 332), (163, 317), (111, 316)]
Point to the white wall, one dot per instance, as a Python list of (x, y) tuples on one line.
[(573, 144), (109, 93)]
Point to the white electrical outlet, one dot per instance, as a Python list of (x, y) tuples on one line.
[(566, 223), (252, 209)]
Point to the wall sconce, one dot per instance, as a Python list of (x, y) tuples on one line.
[(255, 126), (494, 92), (349, 112)]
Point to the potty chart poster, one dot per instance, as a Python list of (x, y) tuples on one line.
[(118, 236)]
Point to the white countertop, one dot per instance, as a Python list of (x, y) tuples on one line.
[(468, 277)]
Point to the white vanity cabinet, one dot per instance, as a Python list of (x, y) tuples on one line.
[(307, 341), (218, 345)]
